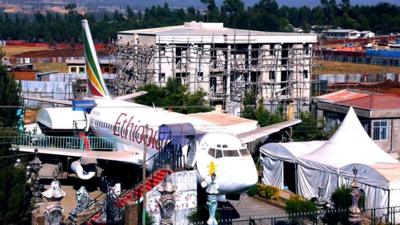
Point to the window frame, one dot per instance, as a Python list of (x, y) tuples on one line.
[(380, 132)]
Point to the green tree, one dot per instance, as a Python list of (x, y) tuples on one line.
[(212, 10), (174, 96), (310, 129), (265, 118), (249, 105), (9, 97), (254, 111), (14, 192), (233, 13)]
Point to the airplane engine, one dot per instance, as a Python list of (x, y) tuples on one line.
[(85, 171)]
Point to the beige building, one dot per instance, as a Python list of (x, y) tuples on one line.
[(223, 62), (378, 113)]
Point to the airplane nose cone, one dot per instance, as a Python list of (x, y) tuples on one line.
[(239, 178)]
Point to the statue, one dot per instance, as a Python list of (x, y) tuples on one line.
[(355, 212), (166, 202), (83, 202), (53, 210), (212, 203), (54, 192)]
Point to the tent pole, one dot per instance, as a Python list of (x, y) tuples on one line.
[(296, 177), (337, 179), (388, 206)]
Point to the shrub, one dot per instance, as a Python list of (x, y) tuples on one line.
[(341, 198), (300, 211), (252, 191), (296, 204), (267, 191)]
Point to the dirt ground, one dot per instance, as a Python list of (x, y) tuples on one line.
[(328, 67), (46, 67), (15, 50)]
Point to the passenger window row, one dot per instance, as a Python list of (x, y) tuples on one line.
[(99, 123)]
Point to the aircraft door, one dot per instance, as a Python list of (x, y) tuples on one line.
[(191, 152)]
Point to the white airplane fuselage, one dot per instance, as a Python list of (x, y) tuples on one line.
[(235, 169)]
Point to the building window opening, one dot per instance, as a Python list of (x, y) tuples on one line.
[(305, 74), (200, 76), (271, 75), (380, 129), (161, 78)]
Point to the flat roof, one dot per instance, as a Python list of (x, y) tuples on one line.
[(340, 31), (200, 29)]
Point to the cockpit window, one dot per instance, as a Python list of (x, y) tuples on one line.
[(211, 152), (219, 154), (224, 146), (244, 152), (231, 153)]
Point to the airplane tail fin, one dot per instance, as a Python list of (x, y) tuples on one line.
[(96, 85)]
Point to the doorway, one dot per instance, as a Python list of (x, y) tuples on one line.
[(289, 176)]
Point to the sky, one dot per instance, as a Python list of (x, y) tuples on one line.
[(316, 2), (198, 4)]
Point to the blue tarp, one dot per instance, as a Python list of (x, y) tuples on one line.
[(383, 53)]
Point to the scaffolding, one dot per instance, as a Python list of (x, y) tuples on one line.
[(280, 73)]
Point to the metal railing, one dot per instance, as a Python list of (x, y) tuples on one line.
[(374, 216), (171, 156), (95, 143)]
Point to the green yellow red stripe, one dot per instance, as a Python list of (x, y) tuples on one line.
[(95, 80)]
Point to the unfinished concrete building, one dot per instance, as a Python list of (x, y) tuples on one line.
[(223, 62)]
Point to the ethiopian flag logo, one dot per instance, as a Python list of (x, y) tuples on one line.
[(96, 82)]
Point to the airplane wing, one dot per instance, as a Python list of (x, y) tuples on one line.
[(50, 100), (130, 96), (66, 102), (261, 132), (135, 156)]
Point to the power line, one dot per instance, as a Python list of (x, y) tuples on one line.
[(13, 156)]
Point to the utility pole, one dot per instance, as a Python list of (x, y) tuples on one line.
[(144, 174)]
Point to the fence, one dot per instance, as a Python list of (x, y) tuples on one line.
[(375, 216), (97, 143), (362, 59)]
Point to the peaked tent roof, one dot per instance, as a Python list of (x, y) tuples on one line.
[(350, 144), (290, 151)]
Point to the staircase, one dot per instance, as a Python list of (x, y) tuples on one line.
[(135, 194), (169, 157)]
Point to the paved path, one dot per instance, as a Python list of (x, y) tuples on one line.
[(249, 207)]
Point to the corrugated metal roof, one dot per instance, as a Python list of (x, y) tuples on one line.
[(363, 100)]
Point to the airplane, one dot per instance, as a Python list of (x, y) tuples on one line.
[(116, 117)]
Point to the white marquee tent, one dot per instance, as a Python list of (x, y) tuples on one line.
[(330, 166), (274, 154)]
